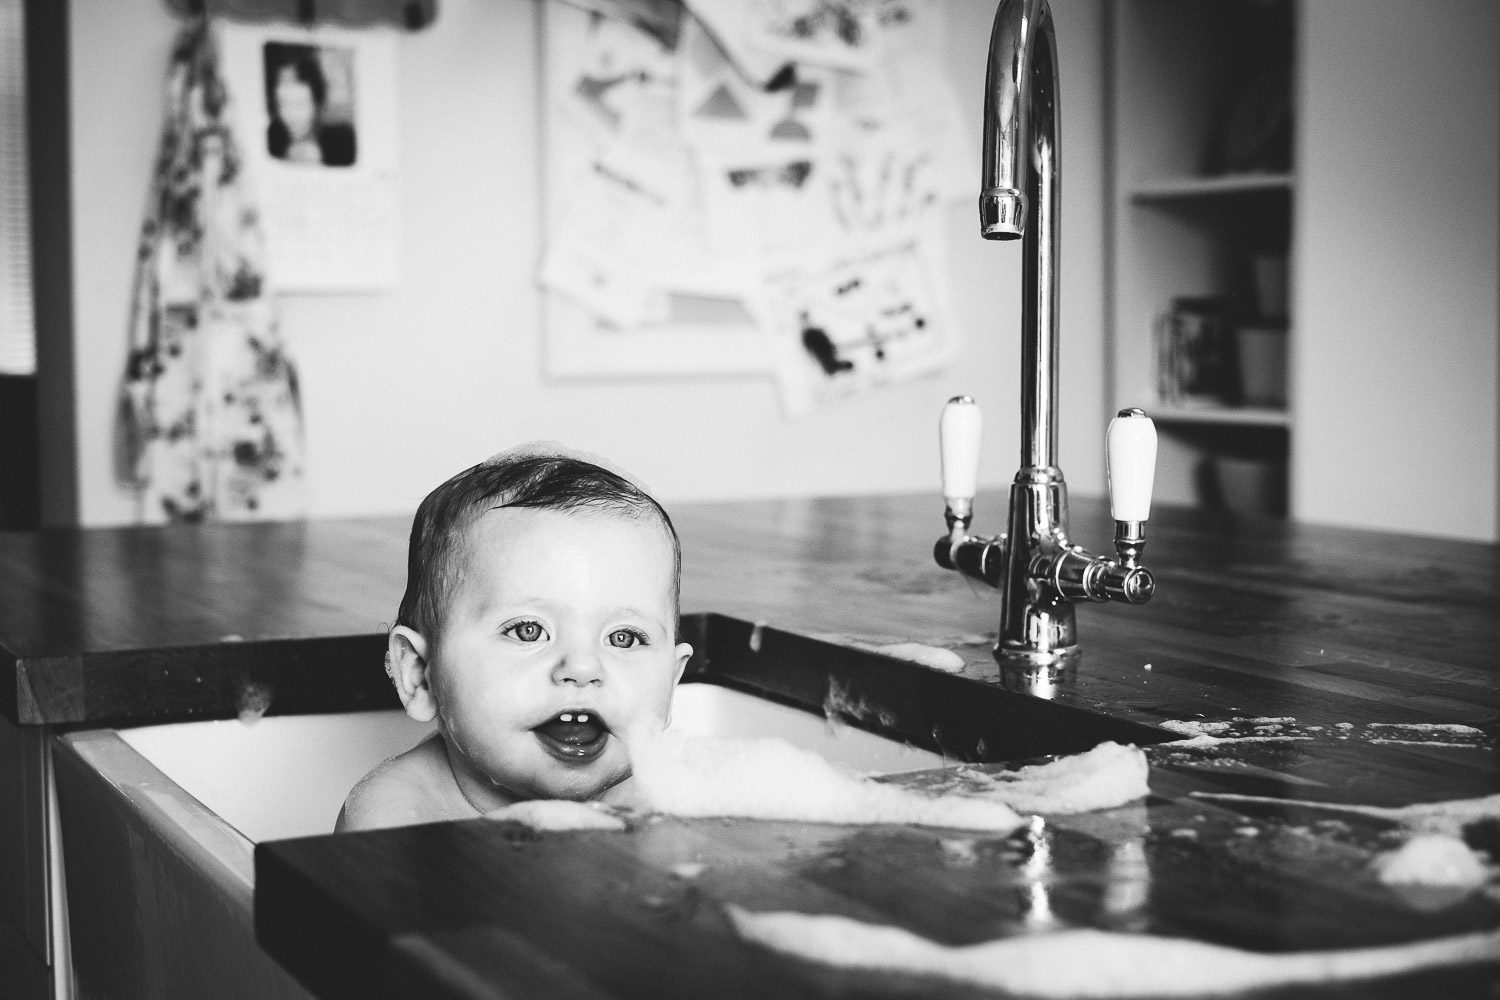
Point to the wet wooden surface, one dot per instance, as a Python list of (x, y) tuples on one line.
[(160, 624), (1248, 614), (1327, 655), (480, 908)]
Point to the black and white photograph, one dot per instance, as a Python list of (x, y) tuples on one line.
[(750, 499)]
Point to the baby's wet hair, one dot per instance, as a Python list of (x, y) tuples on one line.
[(540, 481)]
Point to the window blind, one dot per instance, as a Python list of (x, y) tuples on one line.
[(17, 321)]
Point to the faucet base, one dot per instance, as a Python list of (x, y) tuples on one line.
[(1037, 672)]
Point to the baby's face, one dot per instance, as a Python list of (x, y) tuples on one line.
[(556, 650)]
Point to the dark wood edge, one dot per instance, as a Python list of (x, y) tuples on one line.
[(222, 680), (963, 718)]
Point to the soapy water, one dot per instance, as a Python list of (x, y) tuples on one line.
[(1092, 963), (839, 704), (1203, 734), (935, 657), (1238, 729), (1107, 776), (1427, 855), (771, 779), (558, 814), (936, 654), (1435, 859), (1427, 734), (757, 779), (252, 699), (1450, 817)]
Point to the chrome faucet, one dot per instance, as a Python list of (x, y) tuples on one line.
[(1039, 572)]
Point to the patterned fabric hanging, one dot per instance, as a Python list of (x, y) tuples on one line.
[(213, 422)]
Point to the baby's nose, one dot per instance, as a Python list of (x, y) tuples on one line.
[(578, 663)]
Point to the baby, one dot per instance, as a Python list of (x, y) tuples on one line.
[(539, 628)]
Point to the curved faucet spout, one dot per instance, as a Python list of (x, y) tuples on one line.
[(1020, 117), (1021, 176)]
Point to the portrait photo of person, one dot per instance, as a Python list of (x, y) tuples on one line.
[(310, 102)]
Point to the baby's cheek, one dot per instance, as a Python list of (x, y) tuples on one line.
[(662, 718), (643, 727)]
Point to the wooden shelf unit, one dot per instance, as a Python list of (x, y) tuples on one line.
[(1203, 204)]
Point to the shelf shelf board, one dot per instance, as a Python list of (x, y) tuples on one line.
[(1187, 188), (1231, 416)]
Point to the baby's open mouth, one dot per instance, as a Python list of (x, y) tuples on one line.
[(574, 736)]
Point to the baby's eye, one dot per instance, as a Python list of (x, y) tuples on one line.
[(625, 638), (525, 631)]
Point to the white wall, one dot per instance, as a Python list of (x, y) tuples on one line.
[(1398, 324), (403, 389)]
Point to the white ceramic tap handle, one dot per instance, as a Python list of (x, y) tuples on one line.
[(1131, 448), (958, 439)]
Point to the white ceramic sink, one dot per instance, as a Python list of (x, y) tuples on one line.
[(711, 710), (287, 775)]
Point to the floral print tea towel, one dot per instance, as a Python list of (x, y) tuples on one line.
[(213, 420)]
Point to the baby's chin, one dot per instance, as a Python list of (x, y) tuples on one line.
[(623, 794), (595, 785)]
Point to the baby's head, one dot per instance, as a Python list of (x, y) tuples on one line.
[(539, 625)]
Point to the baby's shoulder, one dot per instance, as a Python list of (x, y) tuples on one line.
[(413, 787)]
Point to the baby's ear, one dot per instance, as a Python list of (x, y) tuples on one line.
[(406, 662), (683, 652)]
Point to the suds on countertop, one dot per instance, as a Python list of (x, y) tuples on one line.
[(1448, 817), (1281, 729), (1094, 963), (936, 653), (1437, 859), (252, 699), (1429, 845)]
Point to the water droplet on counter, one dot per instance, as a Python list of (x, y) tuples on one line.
[(252, 699)]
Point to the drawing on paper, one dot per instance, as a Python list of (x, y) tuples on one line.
[(709, 184)]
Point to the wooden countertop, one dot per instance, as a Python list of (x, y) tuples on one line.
[(152, 624), (1247, 615), (1333, 648)]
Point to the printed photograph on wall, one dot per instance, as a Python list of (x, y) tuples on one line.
[(703, 177), (317, 110), (310, 95)]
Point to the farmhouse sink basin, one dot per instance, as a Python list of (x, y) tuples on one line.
[(286, 775), (955, 719), (161, 820), (868, 711)]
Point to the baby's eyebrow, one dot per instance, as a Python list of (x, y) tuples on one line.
[(639, 614)]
